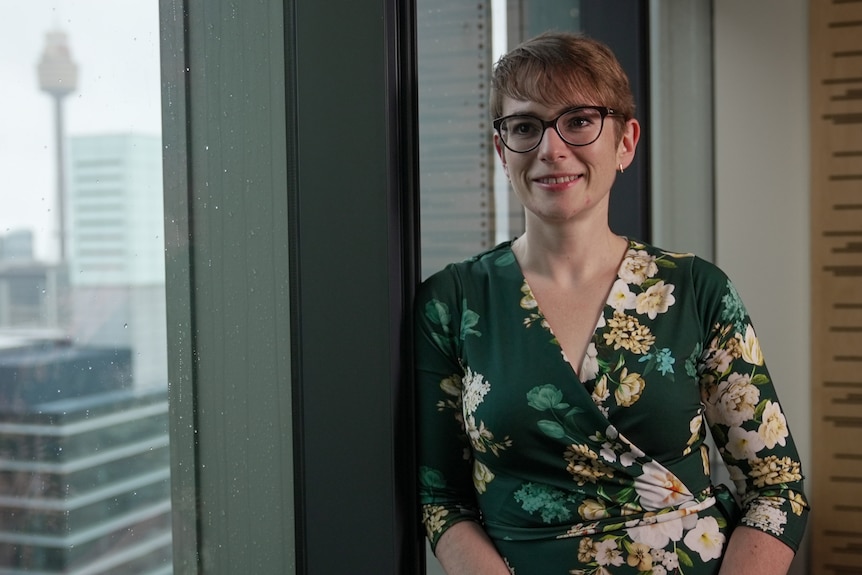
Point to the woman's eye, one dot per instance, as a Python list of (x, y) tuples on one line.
[(522, 128), (578, 122)]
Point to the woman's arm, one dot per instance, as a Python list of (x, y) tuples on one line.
[(753, 552), (465, 549)]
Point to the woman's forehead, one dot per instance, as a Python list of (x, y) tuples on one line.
[(545, 106)]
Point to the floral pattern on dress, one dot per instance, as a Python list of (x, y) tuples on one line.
[(577, 469)]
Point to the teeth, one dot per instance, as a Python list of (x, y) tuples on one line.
[(562, 180)]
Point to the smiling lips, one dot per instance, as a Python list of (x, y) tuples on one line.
[(557, 180)]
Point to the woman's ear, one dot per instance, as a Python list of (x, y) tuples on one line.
[(628, 143)]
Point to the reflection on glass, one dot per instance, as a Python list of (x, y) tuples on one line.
[(466, 205), (84, 467)]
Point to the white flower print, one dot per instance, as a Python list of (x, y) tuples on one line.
[(670, 561), (743, 444), (607, 553), (631, 456), (590, 365), (749, 346), (733, 401), (621, 297), (655, 300), (706, 539), (774, 427), (637, 267), (657, 535), (738, 478), (719, 360), (658, 488), (607, 452), (474, 390), (767, 516), (601, 393)]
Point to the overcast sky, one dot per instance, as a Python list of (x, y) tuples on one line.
[(115, 45)]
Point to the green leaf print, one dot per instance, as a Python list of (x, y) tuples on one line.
[(691, 362), (684, 558), (759, 379), (545, 397), (574, 411), (734, 310), (430, 477), (758, 411), (438, 312), (469, 319), (550, 502), (551, 428), (663, 263)]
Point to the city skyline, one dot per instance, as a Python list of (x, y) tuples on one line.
[(115, 46)]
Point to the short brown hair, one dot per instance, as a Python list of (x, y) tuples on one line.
[(554, 67)]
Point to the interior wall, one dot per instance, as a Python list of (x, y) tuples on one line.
[(762, 186)]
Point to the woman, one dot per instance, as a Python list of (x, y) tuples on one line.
[(566, 378)]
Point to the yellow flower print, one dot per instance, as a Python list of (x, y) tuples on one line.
[(749, 346), (585, 465), (774, 427), (655, 300), (639, 556), (694, 426), (630, 389), (773, 470), (586, 550), (601, 393), (637, 267), (627, 333), (704, 456), (797, 503), (451, 385), (592, 509), (433, 518), (528, 302), (482, 476)]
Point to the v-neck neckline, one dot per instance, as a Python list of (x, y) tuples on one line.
[(597, 324)]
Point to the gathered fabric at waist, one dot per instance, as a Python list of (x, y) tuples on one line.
[(703, 500)]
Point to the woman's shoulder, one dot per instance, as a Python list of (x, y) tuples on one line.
[(475, 268), (672, 262)]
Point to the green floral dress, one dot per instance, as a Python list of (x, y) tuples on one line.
[(605, 473)]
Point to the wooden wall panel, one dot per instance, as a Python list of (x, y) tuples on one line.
[(836, 251)]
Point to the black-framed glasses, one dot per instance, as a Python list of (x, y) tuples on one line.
[(579, 126)]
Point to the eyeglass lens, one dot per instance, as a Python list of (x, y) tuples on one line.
[(578, 127)]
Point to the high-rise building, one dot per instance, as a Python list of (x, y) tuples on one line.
[(84, 462), (116, 261)]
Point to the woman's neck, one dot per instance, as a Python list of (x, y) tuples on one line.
[(570, 255)]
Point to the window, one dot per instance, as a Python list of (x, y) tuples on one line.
[(84, 450)]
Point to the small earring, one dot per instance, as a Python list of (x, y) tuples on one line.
[(621, 168)]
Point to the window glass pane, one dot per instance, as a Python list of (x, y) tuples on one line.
[(84, 463), (465, 203)]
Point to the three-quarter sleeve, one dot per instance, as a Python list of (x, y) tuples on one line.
[(745, 416), (446, 491)]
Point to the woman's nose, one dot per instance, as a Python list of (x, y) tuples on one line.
[(552, 145)]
